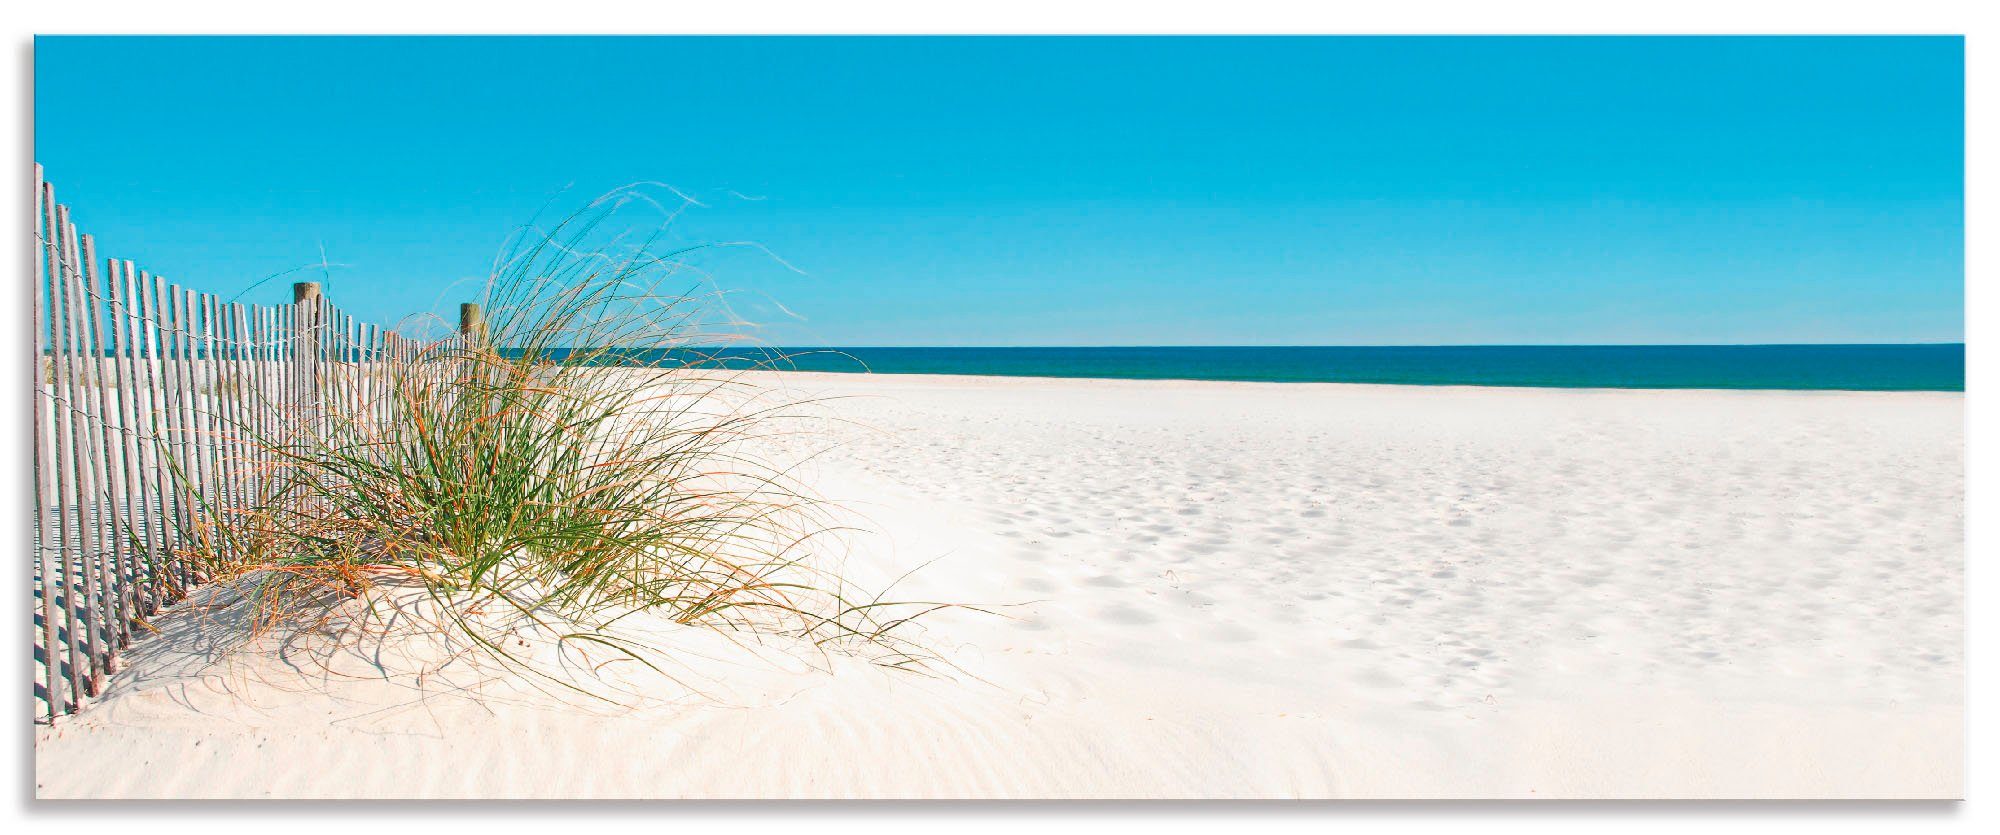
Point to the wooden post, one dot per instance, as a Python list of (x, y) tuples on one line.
[(305, 347), (472, 341), (306, 326), (472, 324)]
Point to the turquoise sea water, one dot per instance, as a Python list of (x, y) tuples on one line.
[(1925, 367)]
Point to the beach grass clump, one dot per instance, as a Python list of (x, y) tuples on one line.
[(583, 457)]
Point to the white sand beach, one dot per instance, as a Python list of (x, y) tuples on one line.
[(1224, 590)]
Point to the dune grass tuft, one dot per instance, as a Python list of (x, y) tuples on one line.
[(587, 458)]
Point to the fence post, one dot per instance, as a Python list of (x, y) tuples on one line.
[(305, 348), (472, 335), (472, 324), (307, 322)]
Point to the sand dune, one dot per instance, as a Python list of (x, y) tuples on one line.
[(1226, 590)]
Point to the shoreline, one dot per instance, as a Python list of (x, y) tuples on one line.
[(1804, 367), (991, 379)]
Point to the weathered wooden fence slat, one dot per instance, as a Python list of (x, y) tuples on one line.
[(47, 505)]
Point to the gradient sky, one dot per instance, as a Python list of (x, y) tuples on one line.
[(1067, 191)]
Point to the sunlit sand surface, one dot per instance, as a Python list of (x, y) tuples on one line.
[(1216, 590)]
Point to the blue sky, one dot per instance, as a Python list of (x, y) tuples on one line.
[(1067, 191)]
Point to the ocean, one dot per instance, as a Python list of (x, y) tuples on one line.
[(1917, 367)]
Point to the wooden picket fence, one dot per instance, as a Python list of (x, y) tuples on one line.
[(160, 414)]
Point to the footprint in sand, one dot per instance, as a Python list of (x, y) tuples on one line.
[(1229, 633), (1129, 615)]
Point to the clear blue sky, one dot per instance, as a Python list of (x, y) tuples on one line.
[(1070, 191)]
